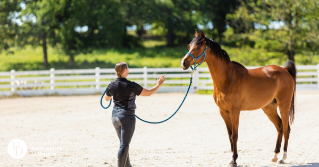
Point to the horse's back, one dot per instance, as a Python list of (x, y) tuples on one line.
[(271, 72), (263, 84)]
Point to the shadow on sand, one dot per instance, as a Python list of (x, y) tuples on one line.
[(307, 165)]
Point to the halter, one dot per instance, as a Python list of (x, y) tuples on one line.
[(195, 59)]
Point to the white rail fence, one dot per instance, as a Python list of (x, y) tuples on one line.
[(91, 81)]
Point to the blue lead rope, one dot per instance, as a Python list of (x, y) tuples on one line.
[(102, 99), (191, 81)]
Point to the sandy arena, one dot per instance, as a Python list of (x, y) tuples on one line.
[(75, 131)]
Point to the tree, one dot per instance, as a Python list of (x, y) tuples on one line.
[(287, 26), (8, 28), (101, 18), (216, 11), (139, 13), (175, 20), (57, 23), (41, 31)]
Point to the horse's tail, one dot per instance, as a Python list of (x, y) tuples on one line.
[(291, 68)]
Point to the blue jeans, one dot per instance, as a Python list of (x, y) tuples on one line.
[(124, 123)]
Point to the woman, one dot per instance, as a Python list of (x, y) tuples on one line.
[(124, 93)]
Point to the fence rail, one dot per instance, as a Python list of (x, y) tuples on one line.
[(90, 81)]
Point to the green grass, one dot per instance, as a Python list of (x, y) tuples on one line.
[(152, 54), (153, 43), (31, 58), (205, 91)]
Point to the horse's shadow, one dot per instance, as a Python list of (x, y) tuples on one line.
[(307, 165)]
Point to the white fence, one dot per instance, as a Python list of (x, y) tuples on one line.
[(91, 81)]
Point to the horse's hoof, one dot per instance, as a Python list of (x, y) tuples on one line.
[(274, 159), (232, 165), (281, 161)]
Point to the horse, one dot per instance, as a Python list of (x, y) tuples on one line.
[(237, 89)]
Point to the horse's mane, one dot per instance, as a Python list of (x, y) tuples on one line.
[(235, 62), (215, 48)]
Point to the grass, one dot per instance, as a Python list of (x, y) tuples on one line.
[(205, 91), (31, 58), (152, 54)]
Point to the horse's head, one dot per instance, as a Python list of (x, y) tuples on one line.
[(196, 48)]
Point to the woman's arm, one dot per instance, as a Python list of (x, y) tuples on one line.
[(149, 92), (108, 98)]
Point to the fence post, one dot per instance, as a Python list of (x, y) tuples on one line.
[(196, 79), (318, 75), (97, 77), (13, 88), (145, 77), (52, 78)]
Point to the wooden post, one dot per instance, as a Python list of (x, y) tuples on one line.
[(196, 79), (145, 77), (97, 77), (52, 78), (13, 87)]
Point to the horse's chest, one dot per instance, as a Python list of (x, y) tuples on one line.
[(222, 101)]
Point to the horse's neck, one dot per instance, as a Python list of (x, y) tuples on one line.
[(219, 70)]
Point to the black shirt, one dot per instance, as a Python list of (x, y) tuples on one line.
[(124, 92)]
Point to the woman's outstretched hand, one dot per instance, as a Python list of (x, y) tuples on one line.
[(161, 80), (149, 92)]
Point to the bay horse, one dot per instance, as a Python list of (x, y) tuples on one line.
[(237, 88)]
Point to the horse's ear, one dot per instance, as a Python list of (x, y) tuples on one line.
[(196, 33), (202, 34)]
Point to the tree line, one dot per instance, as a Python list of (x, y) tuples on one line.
[(286, 26)]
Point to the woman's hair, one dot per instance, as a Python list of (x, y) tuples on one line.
[(119, 68)]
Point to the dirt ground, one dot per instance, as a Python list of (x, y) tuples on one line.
[(76, 131)]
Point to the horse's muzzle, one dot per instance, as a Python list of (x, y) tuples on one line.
[(186, 65)]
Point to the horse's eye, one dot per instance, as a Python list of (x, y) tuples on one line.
[(198, 47)]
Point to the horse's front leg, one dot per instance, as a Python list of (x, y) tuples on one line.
[(234, 117), (226, 116)]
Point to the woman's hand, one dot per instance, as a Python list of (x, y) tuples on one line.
[(161, 80), (149, 92), (108, 98)]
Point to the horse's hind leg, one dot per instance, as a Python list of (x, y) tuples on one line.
[(226, 117), (271, 111), (284, 113)]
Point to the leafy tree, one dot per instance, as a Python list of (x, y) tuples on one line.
[(101, 18), (137, 12), (41, 31), (57, 23), (296, 21), (8, 28), (176, 20), (216, 11)]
